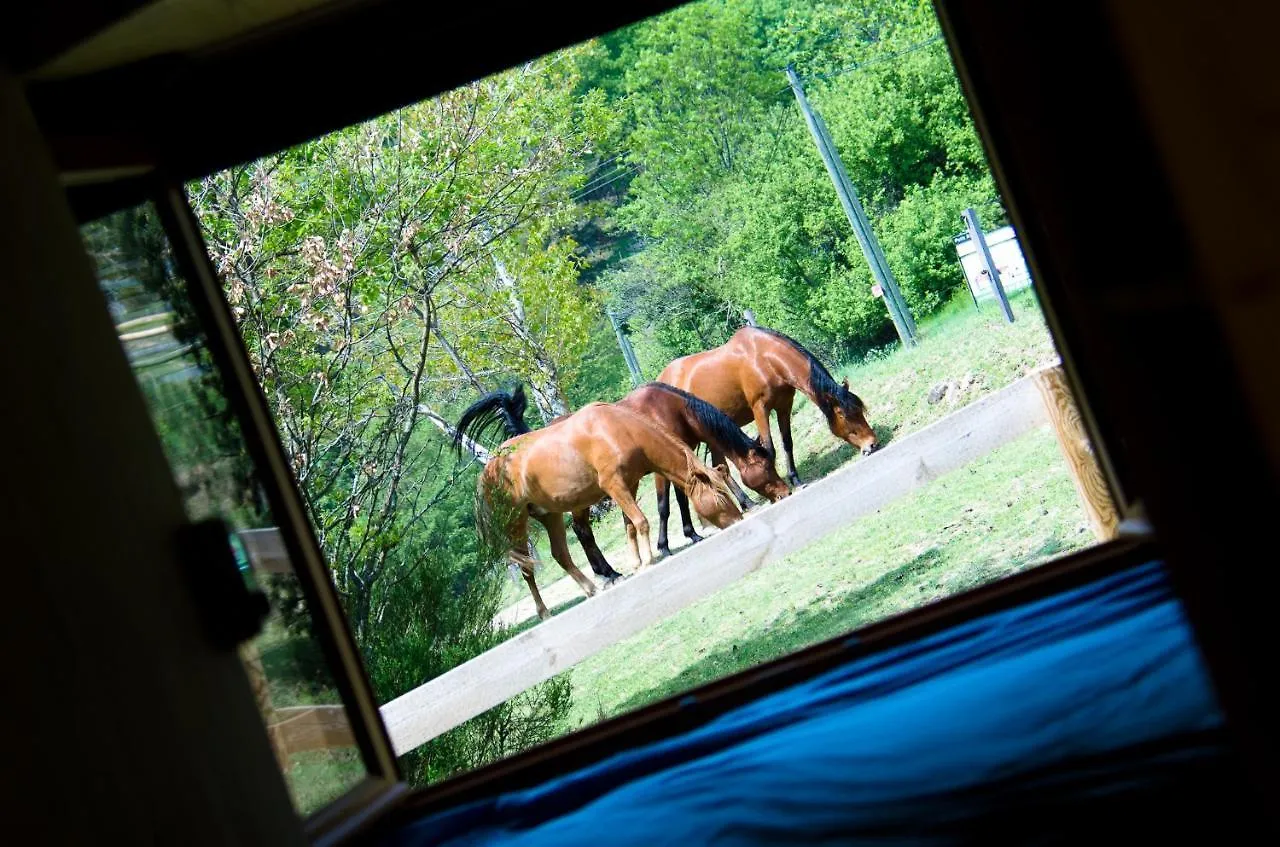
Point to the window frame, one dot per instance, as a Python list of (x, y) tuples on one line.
[(382, 785), (1082, 315)]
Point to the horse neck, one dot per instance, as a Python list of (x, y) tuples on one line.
[(794, 368), (705, 435), (669, 457)]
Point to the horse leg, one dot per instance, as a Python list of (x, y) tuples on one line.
[(784, 429), (554, 524), (682, 500), (760, 411), (519, 554), (717, 459), (637, 524), (599, 564), (663, 485)]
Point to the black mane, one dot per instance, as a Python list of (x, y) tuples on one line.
[(827, 391), (720, 426)]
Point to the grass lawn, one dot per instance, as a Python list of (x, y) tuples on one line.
[(1006, 512), (972, 352), (1012, 509)]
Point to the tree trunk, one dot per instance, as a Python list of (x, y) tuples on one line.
[(480, 454), (456, 357), (544, 383)]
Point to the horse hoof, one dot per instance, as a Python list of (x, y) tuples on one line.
[(544, 616)]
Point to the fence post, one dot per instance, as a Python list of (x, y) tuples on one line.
[(252, 662), (1090, 483), (984, 254)]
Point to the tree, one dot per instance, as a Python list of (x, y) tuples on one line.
[(348, 261), (732, 208)]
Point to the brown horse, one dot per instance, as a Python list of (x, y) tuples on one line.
[(695, 421), (600, 450), (759, 371)]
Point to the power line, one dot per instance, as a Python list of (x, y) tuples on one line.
[(596, 186), (857, 66)]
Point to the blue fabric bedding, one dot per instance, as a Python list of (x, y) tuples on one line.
[(1093, 692)]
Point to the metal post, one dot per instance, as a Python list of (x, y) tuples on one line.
[(980, 242), (893, 299), (628, 352)]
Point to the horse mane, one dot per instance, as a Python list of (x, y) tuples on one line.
[(502, 408), (824, 387), (717, 423)]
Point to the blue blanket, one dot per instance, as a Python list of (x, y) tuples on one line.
[(1094, 691)]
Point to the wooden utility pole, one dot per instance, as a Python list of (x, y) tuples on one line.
[(893, 299), (628, 352), (984, 255)]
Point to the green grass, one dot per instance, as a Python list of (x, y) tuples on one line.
[(1010, 510), (973, 352), (318, 777)]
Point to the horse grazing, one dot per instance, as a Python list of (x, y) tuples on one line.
[(600, 450), (695, 421), (759, 371)]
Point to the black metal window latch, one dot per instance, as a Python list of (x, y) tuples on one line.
[(232, 611)]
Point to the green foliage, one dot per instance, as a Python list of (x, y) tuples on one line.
[(439, 615), (384, 274), (732, 205)]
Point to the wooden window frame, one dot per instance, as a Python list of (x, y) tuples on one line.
[(1059, 118)]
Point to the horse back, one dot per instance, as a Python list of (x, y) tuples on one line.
[(724, 376)]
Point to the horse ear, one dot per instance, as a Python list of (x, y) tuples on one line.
[(846, 383)]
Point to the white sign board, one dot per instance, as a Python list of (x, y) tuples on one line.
[(1007, 255)]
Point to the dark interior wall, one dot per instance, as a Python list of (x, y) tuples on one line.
[(1167, 110), (123, 725), (1096, 120)]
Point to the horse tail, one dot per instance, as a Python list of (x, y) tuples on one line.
[(502, 408), (493, 516)]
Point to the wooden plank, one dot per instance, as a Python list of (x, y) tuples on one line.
[(1087, 475), (768, 535), (164, 317), (146, 333), (266, 550), (301, 728)]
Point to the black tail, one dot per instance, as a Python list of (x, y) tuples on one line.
[(503, 409)]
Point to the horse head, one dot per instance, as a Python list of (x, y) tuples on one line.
[(711, 496), (760, 474), (848, 420)]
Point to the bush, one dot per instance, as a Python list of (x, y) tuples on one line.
[(437, 616), (917, 237)]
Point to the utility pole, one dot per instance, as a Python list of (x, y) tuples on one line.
[(628, 352), (988, 265), (893, 299)]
